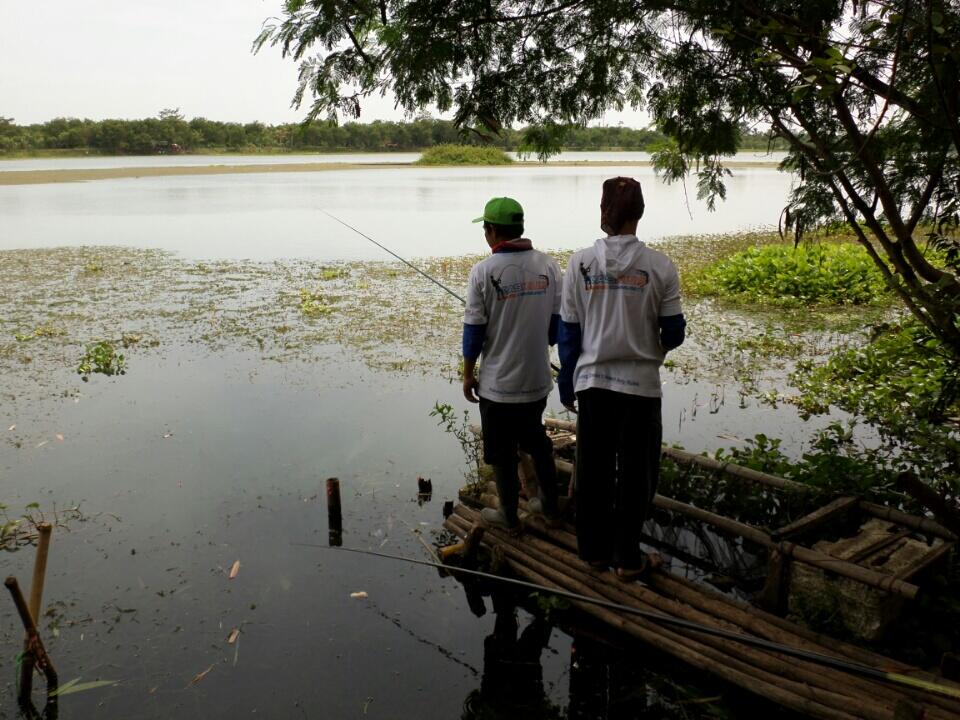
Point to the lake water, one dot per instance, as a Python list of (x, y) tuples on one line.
[(416, 212), (209, 451), (126, 161)]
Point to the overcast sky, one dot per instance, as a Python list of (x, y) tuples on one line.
[(110, 59)]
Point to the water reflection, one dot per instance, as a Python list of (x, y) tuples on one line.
[(512, 681), (605, 680)]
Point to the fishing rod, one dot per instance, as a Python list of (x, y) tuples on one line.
[(408, 264), (384, 247), (849, 666)]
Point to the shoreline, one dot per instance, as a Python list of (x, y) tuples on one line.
[(45, 177)]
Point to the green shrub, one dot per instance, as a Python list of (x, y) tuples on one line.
[(821, 274), (464, 155), (906, 386)]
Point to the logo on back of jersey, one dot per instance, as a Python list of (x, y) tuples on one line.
[(630, 281), (515, 282)]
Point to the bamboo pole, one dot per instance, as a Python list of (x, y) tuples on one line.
[(691, 652), (778, 629), (920, 524), (558, 424), (738, 471), (797, 552), (708, 463), (830, 513), (833, 689), (765, 624), (334, 515), (639, 596), (946, 512), (39, 570), (802, 671)]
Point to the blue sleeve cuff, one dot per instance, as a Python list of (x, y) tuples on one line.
[(672, 331), (473, 336), (570, 339), (554, 330)]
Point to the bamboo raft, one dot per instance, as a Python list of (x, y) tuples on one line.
[(548, 557)]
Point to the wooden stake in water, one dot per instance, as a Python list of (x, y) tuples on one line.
[(40, 570), (334, 516), (34, 654)]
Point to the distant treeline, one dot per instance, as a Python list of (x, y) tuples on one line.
[(171, 133)]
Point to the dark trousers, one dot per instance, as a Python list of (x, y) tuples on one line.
[(618, 466), (506, 427)]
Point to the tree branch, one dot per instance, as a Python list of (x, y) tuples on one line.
[(891, 208), (356, 44), (932, 182), (925, 313), (520, 18)]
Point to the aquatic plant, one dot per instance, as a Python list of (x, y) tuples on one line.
[(464, 155), (788, 276), (332, 273), (19, 530), (460, 429), (101, 357), (41, 331), (314, 304)]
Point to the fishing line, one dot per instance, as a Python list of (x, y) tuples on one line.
[(408, 264), (384, 247), (848, 666)]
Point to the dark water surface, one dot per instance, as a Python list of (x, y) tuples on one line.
[(195, 460), (140, 591)]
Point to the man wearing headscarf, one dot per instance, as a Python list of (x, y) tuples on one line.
[(620, 315)]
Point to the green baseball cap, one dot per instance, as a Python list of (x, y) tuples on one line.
[(502, 211)]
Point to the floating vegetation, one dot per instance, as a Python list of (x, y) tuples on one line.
[(786, 276), (43, 331), (17, 531), (385, 314), (314, 304), (332, 273), (101, 357)]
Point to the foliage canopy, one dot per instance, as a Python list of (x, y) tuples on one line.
[(867, 95)]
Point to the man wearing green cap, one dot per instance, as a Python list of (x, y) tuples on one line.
[(511, 319)]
